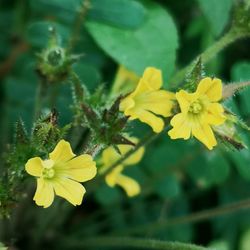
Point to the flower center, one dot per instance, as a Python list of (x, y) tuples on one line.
[(196, 107), (48, 170), (48, 173)]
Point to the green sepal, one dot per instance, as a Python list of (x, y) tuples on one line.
[(194, 76), (21, 136)]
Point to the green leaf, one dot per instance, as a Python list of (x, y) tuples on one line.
[(62, 10), (245, 241), (107, 196), (241, 72), (168, 187), (113, 12), (120, 13), (219, 245), (2, 247), (38, 33), (154, 43), (241, 160), (217, 13), (213, 170), (88, 74)]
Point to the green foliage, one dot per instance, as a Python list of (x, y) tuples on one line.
[(217, 13), (58, 63), (114, 12), (154, 43), (193, 78)]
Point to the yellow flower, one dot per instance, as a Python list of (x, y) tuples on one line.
[(125, 81), (199, 111), (60, 175), (147, 101), (115, 177)]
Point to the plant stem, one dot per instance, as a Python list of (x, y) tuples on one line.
[(231, 36), (129, 242), (191, 218), (230, 89), (78, 24), (38, 99), (145, 141)]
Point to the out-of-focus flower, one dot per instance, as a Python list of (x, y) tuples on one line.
[(147, 101), (115, 177), (61, 174), (125, 81), (200, 111)]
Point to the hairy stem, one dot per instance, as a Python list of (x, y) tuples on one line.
[(129, 242), (145, 141), (231, 36), (191, 218), (78, 24), (38, 99), (230, 89)]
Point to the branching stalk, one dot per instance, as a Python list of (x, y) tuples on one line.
[(230, 37), (129, 242), (191, 218)]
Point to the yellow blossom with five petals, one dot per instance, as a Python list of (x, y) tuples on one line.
[(200, 111), (148, 101), (115, 177), (61, 174)]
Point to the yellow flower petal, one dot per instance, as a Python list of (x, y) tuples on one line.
[(62, 152), (156, 123), (205, 134), (125, 81), (110, 156), (181, 127), (134, 158), (152, 77), (147, 101), (126, 104), (212, 88), (185, 99), (112, 176), (70, 190), (215, 114), (158, 102), (81, 168), (34, 166), (131, 187), (44, 195)]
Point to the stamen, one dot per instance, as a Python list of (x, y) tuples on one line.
[(196, 107)]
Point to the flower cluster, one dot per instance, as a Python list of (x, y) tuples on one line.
[(190, 114), (199, 111)]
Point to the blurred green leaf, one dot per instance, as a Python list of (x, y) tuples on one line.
[(168, 187), (152, 44), (107, 196), (116, 12), (217, 13), (113, 12), (38, 33), (241, 72), (241, 160), (63, 11), (88, 74), (2, 247), (210, 170), (219, 245), (245, 241)]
